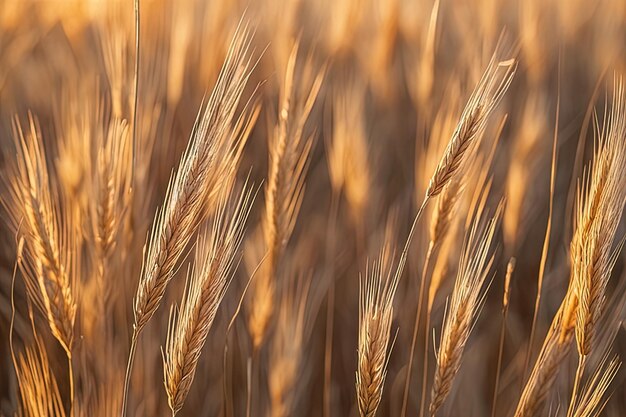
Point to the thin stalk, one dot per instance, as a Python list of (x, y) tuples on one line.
[(407, 383), (505, 312), (227, 403), (136, 92), (18, 261), (250, 372), (546, 240), (70, 372), (425, 362), (133, 344), (249, 393), (330, 307), (409, 238), (129, 368)]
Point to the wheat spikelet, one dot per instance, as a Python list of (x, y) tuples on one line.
[(180, 38), (522, 168), (375, 315), (110, 191), (190, 324), (466, 300), (101, 398), (115, 45)]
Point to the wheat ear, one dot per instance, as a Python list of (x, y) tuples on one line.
[(288, 163), (375, 316), (49, 266), (190, 324), (599, 209), (466, 301)]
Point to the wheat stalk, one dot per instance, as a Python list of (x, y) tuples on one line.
[(447, 175), (34, 211), (505, 311)]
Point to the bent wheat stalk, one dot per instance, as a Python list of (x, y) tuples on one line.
[(505, 310)]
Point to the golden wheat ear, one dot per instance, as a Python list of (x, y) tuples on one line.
[(599, 208), (284, 190), (465, 303), (490, 89), (215, 258), (600, 202), (34, 211), (376, 294)]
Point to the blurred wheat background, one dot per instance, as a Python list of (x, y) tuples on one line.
[(312, 208)]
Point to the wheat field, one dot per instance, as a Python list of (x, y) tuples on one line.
[(314, 208)]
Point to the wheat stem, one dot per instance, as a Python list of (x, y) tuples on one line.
[(505, 310), (70, 372), (136, 87), (330, 307), (129, 368), (407, 382), (546, 240)]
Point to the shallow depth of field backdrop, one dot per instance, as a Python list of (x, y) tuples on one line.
[(221, 225)]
